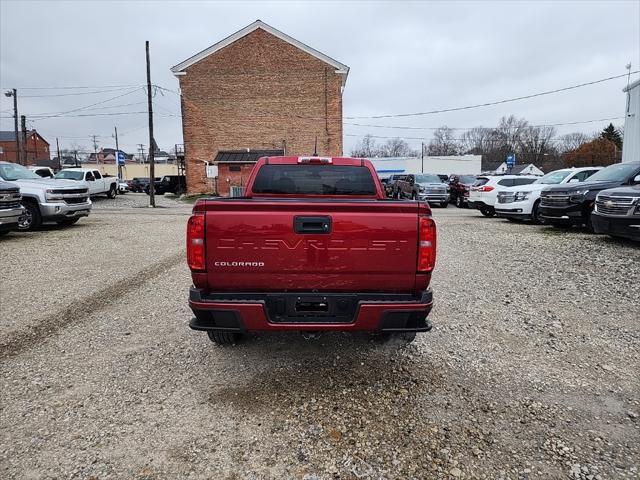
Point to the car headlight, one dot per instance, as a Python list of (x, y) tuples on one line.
[(420, 188), (51, 196), (520, 196), (637, 209), (578, 195)]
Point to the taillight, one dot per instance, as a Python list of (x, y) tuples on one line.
[(485, 189), (426, 244), (195, 243)]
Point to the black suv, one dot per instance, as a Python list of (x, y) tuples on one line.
[(572, 204), (175, 184)]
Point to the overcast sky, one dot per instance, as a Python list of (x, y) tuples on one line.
[(404, 57)]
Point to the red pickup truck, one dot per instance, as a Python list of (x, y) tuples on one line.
[(314, 245)]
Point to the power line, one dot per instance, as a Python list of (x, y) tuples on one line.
[(76, 87), (498, 102), (480, 127), (94, 104), (95, 92)]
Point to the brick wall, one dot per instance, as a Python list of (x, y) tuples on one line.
[(36, 149), (260, 92), (228, 177)]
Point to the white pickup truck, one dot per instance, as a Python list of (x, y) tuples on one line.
[(92, 179)]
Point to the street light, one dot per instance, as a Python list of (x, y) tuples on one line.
[(14, 93)]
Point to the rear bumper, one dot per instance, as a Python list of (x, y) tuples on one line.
[(255, 312), (626, 227)]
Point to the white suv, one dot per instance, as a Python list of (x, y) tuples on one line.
[(517, 203), (484, 192)]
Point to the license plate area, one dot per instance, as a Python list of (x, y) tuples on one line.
[(311, 308), (316, 306)]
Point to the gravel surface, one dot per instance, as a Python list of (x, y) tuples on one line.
[(531, 370)]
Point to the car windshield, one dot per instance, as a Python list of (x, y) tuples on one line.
[(554, 177), (70, 175), (12, 171), (468, 179), (428, 179), (615, 173)]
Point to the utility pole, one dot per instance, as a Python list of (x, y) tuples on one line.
[(422, 157), (59, 157), (75, 157), (152, 173), (117, 150), (14, 93), (95, 148), (141, 151), (23, 145)]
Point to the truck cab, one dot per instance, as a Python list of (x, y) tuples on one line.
[(96, 183)]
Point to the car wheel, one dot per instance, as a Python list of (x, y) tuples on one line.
[(112, 192), (67, 221), (535, 214), (414, 196), (3, 232), (588, 224), (487, 211), (31, 218), (459, 202), (444, 204), (221, 337)]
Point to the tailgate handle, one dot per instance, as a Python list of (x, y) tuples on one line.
[(318, 225)]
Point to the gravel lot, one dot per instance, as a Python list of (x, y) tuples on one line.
[(531, 370)]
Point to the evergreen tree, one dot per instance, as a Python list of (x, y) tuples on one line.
[(613, 135)]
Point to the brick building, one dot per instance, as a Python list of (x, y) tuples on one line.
[(36, 147), (258, 89)]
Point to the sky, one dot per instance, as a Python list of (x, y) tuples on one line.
[(404, 57)]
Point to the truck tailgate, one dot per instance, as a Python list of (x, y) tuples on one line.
[(271, 245)]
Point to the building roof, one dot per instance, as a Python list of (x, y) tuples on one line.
[(341, 68), (245, 156), (10, 135), (519, 168)]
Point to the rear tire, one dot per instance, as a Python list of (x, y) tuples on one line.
[(487, 211), (67, 221), (459, 202), (221, 337), (414, 197), (31, 219), (112, 192)]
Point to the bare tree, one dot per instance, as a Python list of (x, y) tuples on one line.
[(476, 141), (536, 142), (443, 142), (571, 141), (396, 147), (366, 148)]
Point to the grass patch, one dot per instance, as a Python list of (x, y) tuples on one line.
[(191, 199)]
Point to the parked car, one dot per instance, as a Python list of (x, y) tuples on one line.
[(10, 207), (484, 192), (92, 179), (138, 184), (572, 204), (314, 245), (617, 212), (44, 172), (517, 203), (175, 184), (46, 199), (425, 186), (459, 187), (392, 185), (123, 187)]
